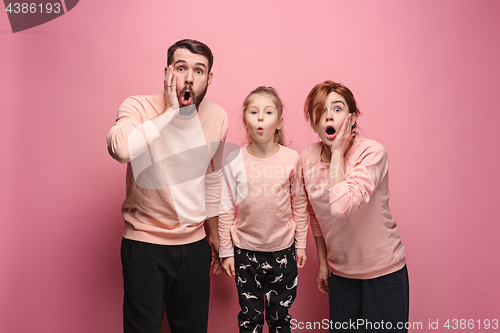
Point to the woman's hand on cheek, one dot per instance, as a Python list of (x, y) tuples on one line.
[(343, 138)]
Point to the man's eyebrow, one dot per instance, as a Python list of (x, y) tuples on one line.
[(185, 62)]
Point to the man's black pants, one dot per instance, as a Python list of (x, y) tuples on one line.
[(175, 278)]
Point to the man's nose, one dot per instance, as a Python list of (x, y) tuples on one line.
[(189, 78)]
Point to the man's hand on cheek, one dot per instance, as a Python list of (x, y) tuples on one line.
[(170, 90)]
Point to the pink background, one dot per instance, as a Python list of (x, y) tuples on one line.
[(425, 74)]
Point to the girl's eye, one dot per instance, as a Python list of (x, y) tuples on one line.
[(269, 112), (337, 109), (323, 111), (253, 112)]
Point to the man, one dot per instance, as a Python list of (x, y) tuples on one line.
[(171, 142)]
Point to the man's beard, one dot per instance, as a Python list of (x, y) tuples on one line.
[(196, 99)]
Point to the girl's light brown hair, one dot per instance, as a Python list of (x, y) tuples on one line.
[(315, 101), (279, 135)]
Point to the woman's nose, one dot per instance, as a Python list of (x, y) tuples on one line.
[(329, 116)]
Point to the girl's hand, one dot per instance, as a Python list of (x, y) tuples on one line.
[(228, 267), (322, 278), (300, 254), (343, 138)]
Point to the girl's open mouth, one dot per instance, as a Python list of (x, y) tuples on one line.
[(330, 132)]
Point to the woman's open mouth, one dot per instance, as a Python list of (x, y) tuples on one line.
[(330, 132)]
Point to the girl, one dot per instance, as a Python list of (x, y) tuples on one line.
[(269, 235), (357, 240)]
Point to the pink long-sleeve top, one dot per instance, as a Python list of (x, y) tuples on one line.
[(353, 216), (272, 204), (172, 182)]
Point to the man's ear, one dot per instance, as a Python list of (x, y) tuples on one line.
[(210, 77)]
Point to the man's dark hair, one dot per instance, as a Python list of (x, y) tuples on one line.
[(192, 46)]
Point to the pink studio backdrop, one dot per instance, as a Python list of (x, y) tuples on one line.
[(425, 74)]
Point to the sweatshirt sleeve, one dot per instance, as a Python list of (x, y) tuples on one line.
[(299, 205), (304, 155), (316, 230), (214, 175), (362, 179), (130, 135), (226, 212)]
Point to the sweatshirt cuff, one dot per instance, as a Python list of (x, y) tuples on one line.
[(316, 230), (300, 245), (338, 191), (226, 253)]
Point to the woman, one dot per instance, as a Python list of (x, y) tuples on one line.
[(361, 258)]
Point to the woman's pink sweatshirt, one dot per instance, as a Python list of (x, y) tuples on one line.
[(272, 204), (353, 216)]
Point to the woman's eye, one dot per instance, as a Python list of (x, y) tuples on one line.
[(337, 109), (323, 111)]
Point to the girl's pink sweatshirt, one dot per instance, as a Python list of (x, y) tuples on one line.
[(272, 204)]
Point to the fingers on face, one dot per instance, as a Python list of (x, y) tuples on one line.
[(346, 128), (174, 82), (170, 77)]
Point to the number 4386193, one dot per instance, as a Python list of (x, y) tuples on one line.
[(33, 8), (464, 324)]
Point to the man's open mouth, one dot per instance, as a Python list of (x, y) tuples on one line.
[(330, 132), (186, 97)]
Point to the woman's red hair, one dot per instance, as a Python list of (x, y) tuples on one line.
[(315, 101)]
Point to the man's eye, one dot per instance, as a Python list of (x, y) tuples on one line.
[(180, 69), (199, 71)]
